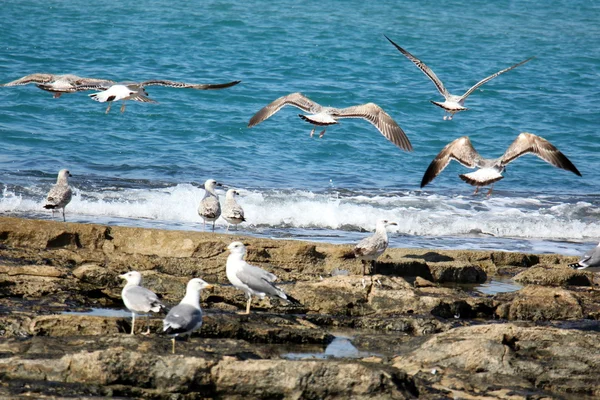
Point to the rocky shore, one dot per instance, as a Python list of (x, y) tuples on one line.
[(420, 328)]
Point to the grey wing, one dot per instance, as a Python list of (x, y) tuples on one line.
[(259, 280), (182, 318), (460, 150), (530, 143), (591, 258), (294, 99), (424, 68), (210, 207), (234, 211), (380, 119), (142, 298), (184, 85), (142, 98), (33, 78), (489, 78)]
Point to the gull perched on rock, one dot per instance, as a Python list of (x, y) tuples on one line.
[(186, 317), (210, 208), (452, 103), (591, 260), (490, 169), (232, 211), (323, 116), (59, 84), (60, 194), (370, 248), (138, 299), (250, 279)]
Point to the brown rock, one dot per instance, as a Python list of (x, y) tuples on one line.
[(553, 275), (539, 303)]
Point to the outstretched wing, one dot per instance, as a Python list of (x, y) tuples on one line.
[(33, 78), (530, 143), (489, 78), (295, 99), (460, 150), (184, 85), (382, 121), (426, 70)]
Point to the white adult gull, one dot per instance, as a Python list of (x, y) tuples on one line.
[(250, 279), (324, 116), (490, 169), (186, 317), (59, 84), (119, 92), (60, 194), (233, 213), (452, 103), (370, 248), (210, 208), (589, 260), (138, 299)]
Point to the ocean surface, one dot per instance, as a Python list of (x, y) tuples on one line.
[(145, 167)]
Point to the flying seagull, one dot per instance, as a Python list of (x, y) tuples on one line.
[(370, 248), (121, 92), (490, 169), (452, 103), (59, 84), (138, 299), (324, 116), (60, 194), (250, 279)]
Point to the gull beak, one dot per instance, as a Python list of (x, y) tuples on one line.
[(393, 223), (209, 286), (122, 276)]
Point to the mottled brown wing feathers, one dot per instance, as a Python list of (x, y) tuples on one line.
[(295, 99), (184, 85), (33, 78), (489, 78), (460, 150)]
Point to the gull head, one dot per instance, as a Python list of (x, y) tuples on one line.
[(232, 194), (210, 184), (132, 277), (384, 223), (63, 175), (237, 248), (197, 285)]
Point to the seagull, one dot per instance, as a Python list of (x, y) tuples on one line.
[(490, 169), (232, 211), (138, 299), (452, 103), (60, 194), (210, 208), (121, 92), (370, 248), (250, 279), (591, 260), (186, 317), (59, 84), (323, 116)]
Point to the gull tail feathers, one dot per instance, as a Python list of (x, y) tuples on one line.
[(50, 206), (482, 177)]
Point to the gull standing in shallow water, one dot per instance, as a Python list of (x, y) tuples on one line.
[(186, 317), (452, 103), (138, 299), (370, 248), (490, 169), (250, 279), (60, 194), (210, 208), (591, 260), (324, 116), (59, 84), (232, 211)]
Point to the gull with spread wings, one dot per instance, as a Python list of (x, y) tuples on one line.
[(59, 84), (324, 116), (452, 103), (490, 169)]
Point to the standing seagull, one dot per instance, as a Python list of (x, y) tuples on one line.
[(138, 299), (250, 279), (232, 211), (370, 248), (60, 194), (452, 103), (186, 317), (490, 169), (210, 208), (591, 260), (323, 116), (58, 84)]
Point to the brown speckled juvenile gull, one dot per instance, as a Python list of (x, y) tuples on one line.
[(452, 103), (233, 213), (210, 208), (370, 248), (323, 116), (60, 194), (490, 169), (59, 84)]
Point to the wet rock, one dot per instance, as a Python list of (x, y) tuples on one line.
[(553, 275)]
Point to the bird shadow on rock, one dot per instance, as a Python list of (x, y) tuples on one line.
[(404, 269), (431, 256)]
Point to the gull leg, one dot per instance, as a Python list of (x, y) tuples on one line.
[(248, 304), (489, 193), (63, 211), (123, 107), (445, 117), (373, 267), (476, 190), (132, 323), (147, 325), (322, 133), (173, 345), (56, 95), (213, 226), (108, 108), (312, 132), (450, 116), (204, 225), (227, 230), (364, 265)]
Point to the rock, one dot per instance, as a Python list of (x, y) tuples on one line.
[(553, 275), (539, 303), (457, 272)]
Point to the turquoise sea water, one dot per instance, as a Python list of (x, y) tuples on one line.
[(144, 167)]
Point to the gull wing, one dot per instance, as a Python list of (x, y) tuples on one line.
[(426, 70), (259, 280), (530, 143), (184, 85), (142, 298), (182, 318), (33, 78), (295, 99), (382, 121), (460, 150), (489, 78)]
